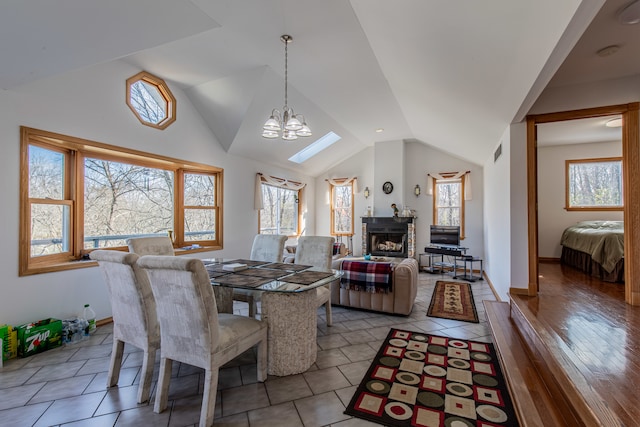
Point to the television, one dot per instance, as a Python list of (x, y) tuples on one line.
[(448, 235)]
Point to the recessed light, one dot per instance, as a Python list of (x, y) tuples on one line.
[(614, 123), (608, 51), (379, 130), (631, 14)]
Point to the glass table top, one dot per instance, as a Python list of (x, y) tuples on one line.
[(267, 276)]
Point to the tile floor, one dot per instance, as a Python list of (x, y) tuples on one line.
[(67, 386)]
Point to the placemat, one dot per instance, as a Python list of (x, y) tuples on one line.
[(266, 273), (248, 262), (306, 277), (286, 266), (241, 280), (215, 268)]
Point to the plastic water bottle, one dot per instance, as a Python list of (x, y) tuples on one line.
[(90, 317)]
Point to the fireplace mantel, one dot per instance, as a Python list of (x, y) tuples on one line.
[(393, 229), (388, 219)]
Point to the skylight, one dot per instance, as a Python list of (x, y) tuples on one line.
[(311, 150)]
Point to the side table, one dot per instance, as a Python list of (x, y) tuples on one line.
[(467, 261)]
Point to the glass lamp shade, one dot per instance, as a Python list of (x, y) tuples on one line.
[(270, 134), (289, 135), (304, 131), (272, 124), (293, 123)]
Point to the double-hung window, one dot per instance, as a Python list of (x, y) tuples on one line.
[(341, 208), (79, 195), (280, 211), (448, 200)]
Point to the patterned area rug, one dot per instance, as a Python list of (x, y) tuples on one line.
[(424, 380), (453, 300)]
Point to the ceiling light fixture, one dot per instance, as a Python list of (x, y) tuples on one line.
[(608, 51), (614, 123), (630, 14), (290, 124)]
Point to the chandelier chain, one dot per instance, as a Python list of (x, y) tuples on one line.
[(286, 71)]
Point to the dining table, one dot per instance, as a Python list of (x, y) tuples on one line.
[(288, 298)]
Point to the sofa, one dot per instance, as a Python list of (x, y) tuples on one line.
[(339, 251), (400, 300)]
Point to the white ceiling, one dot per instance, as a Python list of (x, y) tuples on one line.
[(451, 74), (579, 131)]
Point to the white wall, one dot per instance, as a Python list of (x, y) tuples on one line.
[(90, 104), (388, 166), (552, 217), (497, 219), (361, 166), (419, 159), (518, 209)]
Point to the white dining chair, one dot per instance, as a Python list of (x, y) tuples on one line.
[(317, 251), (134, 314), (153, 245), (265, 247), (193, 332)]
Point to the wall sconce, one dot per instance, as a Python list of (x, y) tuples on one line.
[(416, 190), (366, 192)]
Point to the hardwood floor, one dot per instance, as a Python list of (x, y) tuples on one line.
[(596, 339)]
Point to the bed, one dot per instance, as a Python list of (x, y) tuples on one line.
[(596, 248)]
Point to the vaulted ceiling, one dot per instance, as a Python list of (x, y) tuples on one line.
[(450, 74)]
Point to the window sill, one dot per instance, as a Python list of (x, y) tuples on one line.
[(85, 263)]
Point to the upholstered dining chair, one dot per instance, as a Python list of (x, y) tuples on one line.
[(193, 332), (265, 247), (153, 245), (318, 252), (134, 314), (268, 247)]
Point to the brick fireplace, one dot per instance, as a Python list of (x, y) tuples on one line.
[(389, 236)]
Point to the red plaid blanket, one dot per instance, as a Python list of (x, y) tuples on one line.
[(374, 277)]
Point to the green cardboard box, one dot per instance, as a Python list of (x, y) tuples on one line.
[(39, 336), (9, 337)]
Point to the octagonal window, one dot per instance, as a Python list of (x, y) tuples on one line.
[(151, 100)]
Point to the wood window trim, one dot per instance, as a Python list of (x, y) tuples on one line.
[(75, 151), (165, 92), (301, 195), (332, 208), (462, 201), (567, 192)]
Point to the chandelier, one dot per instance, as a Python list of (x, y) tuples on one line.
[(290, 124)]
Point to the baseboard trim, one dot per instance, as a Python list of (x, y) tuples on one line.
[(105, 321)]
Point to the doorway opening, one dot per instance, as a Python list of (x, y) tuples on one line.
[(631, 179)]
